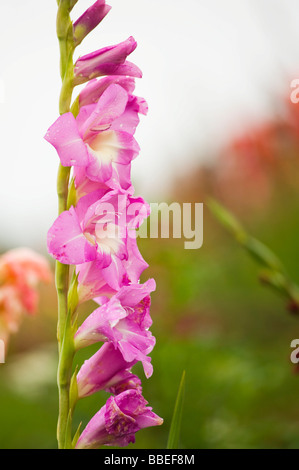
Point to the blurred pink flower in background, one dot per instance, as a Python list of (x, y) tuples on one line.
[(21, 270)]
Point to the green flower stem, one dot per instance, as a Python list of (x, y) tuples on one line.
[(64, 327)]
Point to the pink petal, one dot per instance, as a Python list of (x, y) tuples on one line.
[(92, 282), (99, 325), (110, 106), (104, 369), (121, 177), (133, 294), (99, 169), (64, 136), (135, 264), (137, 211), (114, 273), (109, 148), (85, 202), (66, 241), (129, 120), (95, 88)]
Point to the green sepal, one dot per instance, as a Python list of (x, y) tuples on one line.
[(73, 298), (80, 32), (72, 194), (76, 436), (76, 107), (74, 390), (68, 431)]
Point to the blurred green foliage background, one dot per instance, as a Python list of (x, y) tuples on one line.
[(212, 317)]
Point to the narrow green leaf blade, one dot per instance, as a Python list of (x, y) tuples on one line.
[(273, 273), (263, 254), (76, 436), (175, 427), (227, 219), (260, 252)]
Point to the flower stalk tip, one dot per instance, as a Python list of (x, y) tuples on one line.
[(89, 20)]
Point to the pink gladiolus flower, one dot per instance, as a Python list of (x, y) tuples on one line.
[(124, 321), (110, 60), (100, 139), (106, 370), (90, 19), (11, 311), (97, 228), (117, 422), (97, 234)]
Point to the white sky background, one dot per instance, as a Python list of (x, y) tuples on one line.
[(209, 67)]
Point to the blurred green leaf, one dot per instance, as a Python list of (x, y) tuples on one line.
[(273, 279), (227, 219), (274, 274), (258, 250), (262, 254), (175, 427)]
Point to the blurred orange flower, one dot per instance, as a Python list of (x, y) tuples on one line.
[(21, 270)]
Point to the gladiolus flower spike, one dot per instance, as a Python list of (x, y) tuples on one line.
[(95, 232)]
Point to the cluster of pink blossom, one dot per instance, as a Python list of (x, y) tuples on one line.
[(97, 235), (21, 270)]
